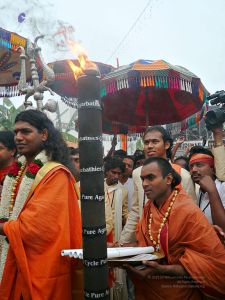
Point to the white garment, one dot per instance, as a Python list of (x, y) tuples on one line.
[(116, 198), (114, 194), (129, 186), (203, 200)]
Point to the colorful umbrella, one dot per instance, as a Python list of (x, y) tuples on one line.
[(111, 127), (10, 62), (150, 92)]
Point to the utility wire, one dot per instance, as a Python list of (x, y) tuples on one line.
[(129, 31)]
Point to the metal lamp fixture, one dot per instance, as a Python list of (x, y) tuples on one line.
[(37, 89)]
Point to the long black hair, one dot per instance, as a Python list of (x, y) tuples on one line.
[(55, 147)]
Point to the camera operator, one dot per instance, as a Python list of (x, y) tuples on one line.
[(219, 153), (214, 120)]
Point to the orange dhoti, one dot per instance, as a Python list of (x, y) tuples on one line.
[(186, 239)]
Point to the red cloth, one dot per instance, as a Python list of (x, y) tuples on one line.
[(3, 173)]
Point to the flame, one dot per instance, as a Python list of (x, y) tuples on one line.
[(77, 71), (78, 50)]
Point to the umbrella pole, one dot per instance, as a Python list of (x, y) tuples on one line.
[(123, 138), (147, 121), (92, 187)]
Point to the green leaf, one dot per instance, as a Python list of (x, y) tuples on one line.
[(7, 102), (139, 144)]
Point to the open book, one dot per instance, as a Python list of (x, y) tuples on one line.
[(120, 253)]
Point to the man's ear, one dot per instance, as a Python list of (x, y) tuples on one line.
[(13, 152), (169, 179), (44, 135), (167, 145)]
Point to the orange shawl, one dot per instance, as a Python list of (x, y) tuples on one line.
[(49, 222), (187, 239)]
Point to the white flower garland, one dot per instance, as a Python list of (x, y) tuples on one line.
[(21, 197)]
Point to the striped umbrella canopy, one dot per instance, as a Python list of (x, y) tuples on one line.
[(112, 127), (149, 92), (10, 62)]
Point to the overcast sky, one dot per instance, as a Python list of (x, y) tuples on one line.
[(188, 33)]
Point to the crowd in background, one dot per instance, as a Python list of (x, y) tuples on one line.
[(155, 173)]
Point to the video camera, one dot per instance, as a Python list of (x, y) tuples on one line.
[(216, 117)]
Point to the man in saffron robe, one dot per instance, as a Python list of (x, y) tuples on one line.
[(157, 143), (41, 216), (194, 263)]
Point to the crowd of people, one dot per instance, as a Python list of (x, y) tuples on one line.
[(152, 198)]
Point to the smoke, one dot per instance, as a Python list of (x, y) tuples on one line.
[(31, 18)]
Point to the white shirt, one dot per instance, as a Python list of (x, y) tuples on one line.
[(129, 186), (203, 200)]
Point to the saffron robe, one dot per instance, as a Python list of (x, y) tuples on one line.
[(49, 222), (186, 239)]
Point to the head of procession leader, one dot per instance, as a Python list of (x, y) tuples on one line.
[(159, 179), (31, 133), (35, 132), (157, 142)]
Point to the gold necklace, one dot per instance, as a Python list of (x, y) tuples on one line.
[(13, 194), (157, 244)]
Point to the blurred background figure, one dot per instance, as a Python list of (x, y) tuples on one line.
[(126, 178), (182, 161), (116, 199), (75, 158), (7, 153), (139, 158)]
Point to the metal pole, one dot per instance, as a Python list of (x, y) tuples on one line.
[(37, 89), (92, 187)]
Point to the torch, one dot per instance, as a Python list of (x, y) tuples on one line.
[(92, 186)]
